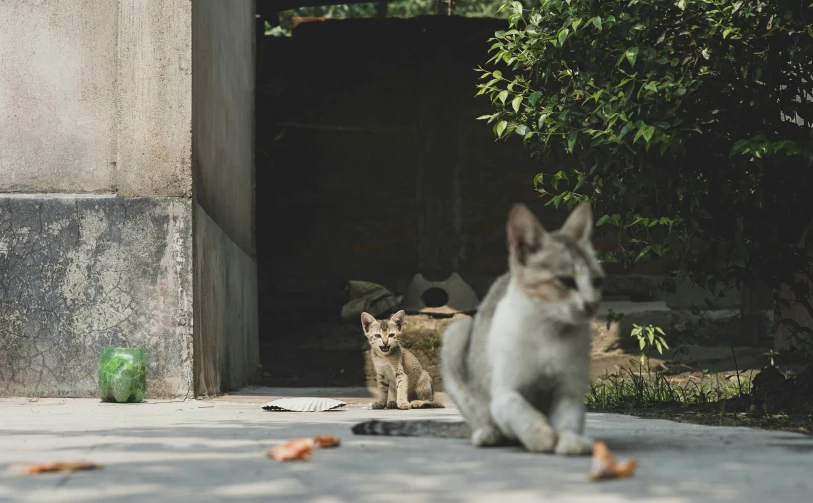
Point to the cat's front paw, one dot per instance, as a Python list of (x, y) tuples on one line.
[(392, 405), (486, 436), (573, 444), (403, 405), (378, 405), (541, 438)]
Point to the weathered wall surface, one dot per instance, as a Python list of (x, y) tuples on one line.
[(223, 116), (95, 97), (81, 272), (58, 96), (227, 350), (95, 100), (154, 102)]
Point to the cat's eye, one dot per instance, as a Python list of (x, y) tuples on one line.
[(567, 281), (598, 282), (377, 336), (392, 336)]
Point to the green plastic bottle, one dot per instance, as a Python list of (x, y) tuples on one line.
[(122, 375)]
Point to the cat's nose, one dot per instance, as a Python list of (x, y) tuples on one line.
[(591, 308)]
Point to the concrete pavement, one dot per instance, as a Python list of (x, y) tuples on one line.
[(213, 450)]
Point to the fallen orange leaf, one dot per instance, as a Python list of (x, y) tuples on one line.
[(298, 449), (606, 467), (60, 466), (325, 441)]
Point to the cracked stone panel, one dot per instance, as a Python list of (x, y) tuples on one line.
[(81, 272)]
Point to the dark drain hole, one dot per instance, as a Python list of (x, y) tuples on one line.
[(435, 297)]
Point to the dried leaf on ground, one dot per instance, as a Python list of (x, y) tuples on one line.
[(60, 466), (298, 449), (325, 441), (606, 467)]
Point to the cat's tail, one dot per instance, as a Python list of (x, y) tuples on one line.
[(453, 355), (438, 429)]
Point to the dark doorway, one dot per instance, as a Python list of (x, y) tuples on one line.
[(352, 116)]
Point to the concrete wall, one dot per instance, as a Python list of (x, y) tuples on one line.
[(227, 352), (80, 272), (96, 208), (58, 96), (96, 101), (95, 97)]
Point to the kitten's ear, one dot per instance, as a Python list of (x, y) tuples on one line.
[(525, 233), (398, 319), (366, 321), (579, 225)]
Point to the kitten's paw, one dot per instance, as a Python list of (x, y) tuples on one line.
[(378, 405), (392, 405), (420, 404), (541, 439), (486, 436), (403, 405), (573, 444)]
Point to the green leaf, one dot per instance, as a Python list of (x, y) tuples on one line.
[(516, 102), (483, 117), (643, 252), (726, 32), (533, 98), (631, 55), (503, 96), (647, 132), (596, 22), (563, 35), (571, 140), (601, 221), (501, 127), (739, 147), (522, 130)]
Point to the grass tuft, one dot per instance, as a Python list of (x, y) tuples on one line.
[(631, 389)]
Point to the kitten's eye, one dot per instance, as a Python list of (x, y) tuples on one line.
[(392, 336), (567, 281), (598, 282), (377, 336)]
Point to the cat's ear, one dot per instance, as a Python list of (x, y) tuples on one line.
[(398, 319), (525, 233), (579, 224), (366, 321)]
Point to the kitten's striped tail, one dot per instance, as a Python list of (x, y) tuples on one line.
[(438, 429)]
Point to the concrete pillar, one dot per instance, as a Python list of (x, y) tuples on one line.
[(96, 194)]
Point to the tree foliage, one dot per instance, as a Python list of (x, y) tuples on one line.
[(397, 8), (687, 123)]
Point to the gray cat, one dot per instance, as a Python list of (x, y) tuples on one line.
[(519, 370)]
